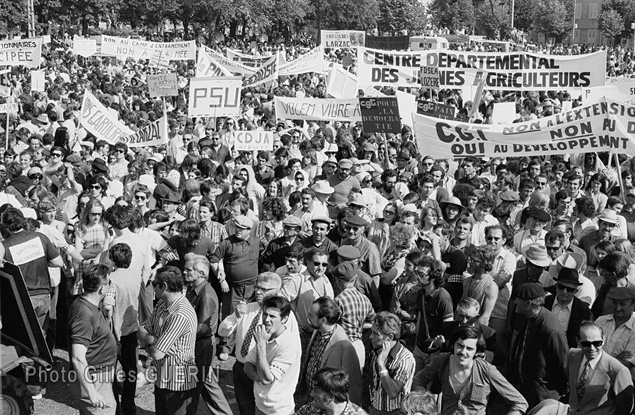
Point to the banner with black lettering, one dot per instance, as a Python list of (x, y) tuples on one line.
[(27, 52), (619, 89), (235, 68), (142, 49), (154, 134), (312, 109), (215, 97), (516, 71), (254, 140), (266, 73), (100, 121), (607, 125), (251, 61), (313, 61), (342, 38), (207, 66)]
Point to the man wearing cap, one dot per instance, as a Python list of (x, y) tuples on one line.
[(329, 169), (569, 310), (274, 255), (607, 221), (628, 212), (170, 204), (369, 260), (357, 310), (364, 283), (240, 253), (342, 183), (535, 232), (619, 327), (319, 228), (310, 209), (538, 354), (322, 193), (404, 165)]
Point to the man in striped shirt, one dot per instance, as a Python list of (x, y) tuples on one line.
[(169, 336)]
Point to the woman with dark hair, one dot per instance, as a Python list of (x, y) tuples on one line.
[(188, 240), (596, 190), (61, 139), (310, 164), (330, 395), (97, 186), (379, 231), (466, 378), (481, 286), (91, 236), (273, 213), (583, 213), (36, 194)]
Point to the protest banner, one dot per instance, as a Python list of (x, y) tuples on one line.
[(341, 83), (388, 42), (215, 97), (622, 90), (142, 49), (97, 120), (369, 91), (251, 61), (268, 72), (517, 71), (607, 125), (407, 105), (38, 81), (154, 134), (430, 77), (380, 115), (327, 109), (27, 52), (163, 85), (436, 110), (206, 66), (254, 140), (233, 67), (84, 47), (342, 38), (313, 61)]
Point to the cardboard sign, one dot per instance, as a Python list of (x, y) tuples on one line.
[(11, 107), (434, 109), (341, 83), (606, 125), (163, 85), (100, 122), (27, 52), (318, 109), (504, 113), (253, 140), (380, 115), (84, 47), (142, 49), (342, 38), (268, 72), (407, 105), (38, 81), (430, 77), (215, 97), (154, 134), (206, 66)]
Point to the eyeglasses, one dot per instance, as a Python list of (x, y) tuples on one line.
[(596, 343), (353, 228), (299, 178), (120, 151), (36, 177), (56, 155), (215, 138), (95, 213), (389, 212), (567, 289), (551, 248), (258, 288), (96, 187), (140, 197), (321, 264)]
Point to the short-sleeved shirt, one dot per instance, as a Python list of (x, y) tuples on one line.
[(618, 339), (356, 309), (31, 252), (400, 364), (283, 355), (342, 189), (204, 246), (240, 258), (88, 326), (301, 292), (369, 260), (438, 307)]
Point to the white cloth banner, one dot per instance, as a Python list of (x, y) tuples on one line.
[(313, 61), (206, 66), (84, 47), (143, 49), (100, 122), (154, 134), (215, 97), (266, 73), (27, 52), (620, 89), (233, 67), (517, 71), (607, 125), (252, 61), (318, 109)]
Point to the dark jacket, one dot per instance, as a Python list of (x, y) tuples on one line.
[(580, 312)]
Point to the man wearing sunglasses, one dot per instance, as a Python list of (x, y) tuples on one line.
[(619, 327)]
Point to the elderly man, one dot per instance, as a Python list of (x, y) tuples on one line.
[(535, 233), (539, 349), (319, 228), (275, 254), (205, 303), (330, 346), (240, 325), (240, 254), (607, 221), (310, 209), (369, 260)]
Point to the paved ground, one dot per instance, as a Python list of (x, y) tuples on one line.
[(58, 399)]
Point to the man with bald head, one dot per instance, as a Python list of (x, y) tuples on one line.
[(242, 324)]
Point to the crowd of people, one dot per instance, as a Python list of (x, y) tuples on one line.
[(346, 272)]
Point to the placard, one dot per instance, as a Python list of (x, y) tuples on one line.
[(142, 49), (206, 66), (504, 113), (622, 91), (100, 122), (253, 140), (380, 115), (27, 52), (342, 38), (215, 97), (309, 109), (435, 109), (38, 81), (9, 107), (231, 66), (268, 72), (341, 83), (84, 47), (154, 134), (607, 125), (163, 85), (430, 77)]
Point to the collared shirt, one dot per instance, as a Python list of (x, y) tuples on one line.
[(302, 292), (205, 303), (524, 238), (562, 313), (629, 215), (618, 339), (315, 355), (240, 258), (174, 326), (592, 363), (356, 308), (215, 231), (369, 260), (316, 209), (400, 364), (88, 327), (478, 230), (504, 261)]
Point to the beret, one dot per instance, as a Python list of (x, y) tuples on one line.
[(530, 291), (621, 293), (243, 222), (348, 252), (537, 213), (356, 220), (345, 271), (292, 220), (321, 219)]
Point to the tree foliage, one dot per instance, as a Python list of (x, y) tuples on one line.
[(626, 10), (495, 17), (611, 23), (455, 15), (553, 19), (401, 15), (13, 16), (345, 14)]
